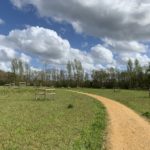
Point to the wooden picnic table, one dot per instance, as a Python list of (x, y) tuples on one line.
[(44, 93)]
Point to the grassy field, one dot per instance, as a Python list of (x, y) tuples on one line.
[(70, 122), (29, 124), (138, 100)]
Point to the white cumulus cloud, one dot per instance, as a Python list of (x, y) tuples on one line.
[(126, 46), (102, 54), (45, 45)]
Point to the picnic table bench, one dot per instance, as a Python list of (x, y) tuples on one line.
[(7, 85), (45, 93)]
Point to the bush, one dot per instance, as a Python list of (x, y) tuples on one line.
[(146, 114), (70, 106)]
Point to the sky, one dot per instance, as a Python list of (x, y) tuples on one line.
[(99, 33)]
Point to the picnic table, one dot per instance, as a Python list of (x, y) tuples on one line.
[(22, 84), (45, 93)]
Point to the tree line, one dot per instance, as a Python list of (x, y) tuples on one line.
[(74, 75)]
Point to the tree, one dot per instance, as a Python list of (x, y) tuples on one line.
[(62, 78), (14, 68), (135, 75), (79, 72), (87, 82), (21, 69), (69, 72), (130, 72), (130, 66), (95, 79), (27, 72), (111, 77), (138, 73)]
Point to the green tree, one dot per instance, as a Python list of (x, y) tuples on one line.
[(138, 73), (130, 73), (79, 72)]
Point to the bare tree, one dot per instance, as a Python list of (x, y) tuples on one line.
[(14, 68)]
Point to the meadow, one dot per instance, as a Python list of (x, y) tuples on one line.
[(69, 122)]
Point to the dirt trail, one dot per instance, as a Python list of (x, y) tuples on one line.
[(126, 129)]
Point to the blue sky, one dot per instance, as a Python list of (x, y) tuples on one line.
[(99, 33)]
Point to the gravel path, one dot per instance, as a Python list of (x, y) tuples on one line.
[(126, 129)]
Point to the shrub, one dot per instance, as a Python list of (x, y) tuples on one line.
[(70, 106), (146, 114)]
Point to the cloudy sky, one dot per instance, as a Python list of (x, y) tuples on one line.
[(99, 33)]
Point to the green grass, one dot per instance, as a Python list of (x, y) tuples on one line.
[(138, 100), (70, 122)]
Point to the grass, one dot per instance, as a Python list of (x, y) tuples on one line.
[(70, 122), (138, 100)]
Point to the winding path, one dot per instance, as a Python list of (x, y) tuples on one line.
[(126, 129)]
